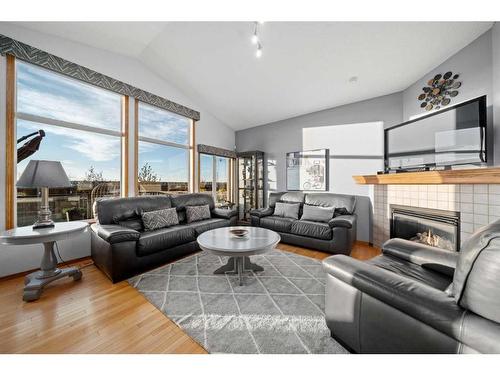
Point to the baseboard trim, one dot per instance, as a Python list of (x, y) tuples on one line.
[(85, 260)]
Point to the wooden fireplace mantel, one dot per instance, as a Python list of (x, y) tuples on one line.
[(462, 176)]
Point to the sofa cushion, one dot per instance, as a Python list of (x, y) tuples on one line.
[(475, 282), (273, 198), (158, 219), (343, 221), (312, 229), (317, 213), (290, 210), (412, 271), (181, 201), (135, 224), (277, 223), (344, 204), (292, 197), (116, 233), (197, 213), (163, 239), (115, 210), (204, 225), (224, 213)]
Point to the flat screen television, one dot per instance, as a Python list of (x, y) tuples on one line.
[(452, 136)]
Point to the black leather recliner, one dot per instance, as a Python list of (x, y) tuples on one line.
[(337, 236), (418, 299), (121, 248)]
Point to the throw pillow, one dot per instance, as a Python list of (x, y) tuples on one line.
[(317, 213), (290, 210), (197, 213), (159, 219)]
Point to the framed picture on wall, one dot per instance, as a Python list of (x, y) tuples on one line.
[(307, 170)]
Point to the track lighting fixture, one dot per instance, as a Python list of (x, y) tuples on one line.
[(255, 38)]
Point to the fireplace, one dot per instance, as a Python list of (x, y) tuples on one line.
[(438, 228)]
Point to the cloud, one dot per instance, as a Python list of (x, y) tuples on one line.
[(47, 94), (96, 147), (159, 124)]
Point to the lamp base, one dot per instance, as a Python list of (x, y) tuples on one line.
[(44, 215)]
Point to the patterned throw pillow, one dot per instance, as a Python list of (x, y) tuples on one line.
[(197, 213), (159, 219)]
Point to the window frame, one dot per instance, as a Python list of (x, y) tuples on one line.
[(230, 177), (190, 146), (12, 116)]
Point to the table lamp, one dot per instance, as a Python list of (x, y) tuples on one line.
[(44, 174)]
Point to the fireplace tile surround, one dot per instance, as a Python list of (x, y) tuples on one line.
[(479, 204)]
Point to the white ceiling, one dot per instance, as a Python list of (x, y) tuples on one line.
[(305, 66)]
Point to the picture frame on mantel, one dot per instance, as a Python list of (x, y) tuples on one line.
[(307, 170)]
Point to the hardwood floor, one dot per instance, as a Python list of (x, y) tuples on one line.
[(96, 316)]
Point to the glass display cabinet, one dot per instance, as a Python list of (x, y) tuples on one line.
[(250, 183)]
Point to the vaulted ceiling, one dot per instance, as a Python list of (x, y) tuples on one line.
[(305, 66)]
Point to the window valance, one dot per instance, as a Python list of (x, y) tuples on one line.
[(44, 59), (211, 150)]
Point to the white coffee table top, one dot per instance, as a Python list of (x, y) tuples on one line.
[(28, 235), (221, 242)]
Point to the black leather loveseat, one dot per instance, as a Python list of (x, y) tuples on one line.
[(418, 299), (121, 248), (335, 236)]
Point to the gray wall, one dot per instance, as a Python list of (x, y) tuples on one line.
[(474, 63), (351, 152)]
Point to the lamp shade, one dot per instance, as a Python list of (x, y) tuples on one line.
[(43, 173)]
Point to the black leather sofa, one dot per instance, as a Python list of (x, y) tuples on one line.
[(418, 299), (121, 248), (337, 236)]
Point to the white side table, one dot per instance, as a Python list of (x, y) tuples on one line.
[(34, 282)]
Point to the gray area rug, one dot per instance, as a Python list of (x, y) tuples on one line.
[(279, 310)]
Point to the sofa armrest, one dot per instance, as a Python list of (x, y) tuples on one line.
[(115, 233), (261, 212), (344, 221), (224, 213), (442, 261), (424, 303)]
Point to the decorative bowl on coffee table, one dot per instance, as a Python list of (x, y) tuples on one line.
[(239, 232)]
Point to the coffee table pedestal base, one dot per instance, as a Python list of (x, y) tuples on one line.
[(238, 265)]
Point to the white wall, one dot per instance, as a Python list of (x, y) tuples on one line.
[(209, 129)]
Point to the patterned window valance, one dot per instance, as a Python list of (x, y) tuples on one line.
[(41, 58), (205, 149)]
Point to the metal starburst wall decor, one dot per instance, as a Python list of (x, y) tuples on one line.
[(439, 91)]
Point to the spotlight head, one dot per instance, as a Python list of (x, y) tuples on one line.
[(258, 54)]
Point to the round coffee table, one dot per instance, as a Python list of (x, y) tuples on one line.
[(221, 242)]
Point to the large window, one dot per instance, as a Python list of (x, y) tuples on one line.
[(215, 177), (163, 151), (82, 128)]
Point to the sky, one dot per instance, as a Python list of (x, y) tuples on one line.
[(206, 168), (44, 93)]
